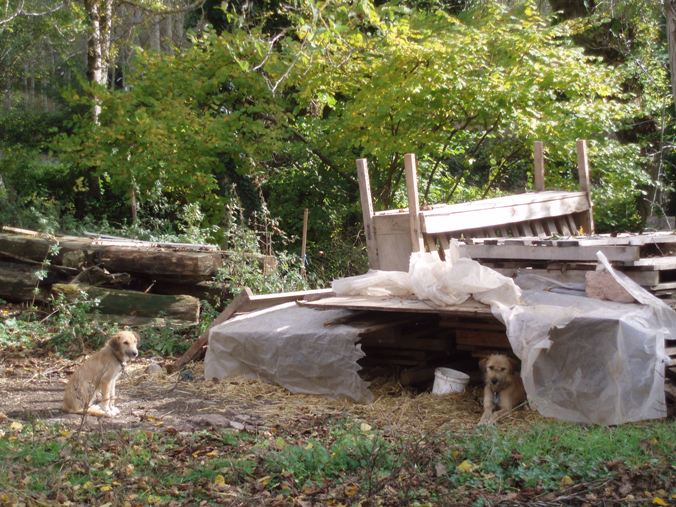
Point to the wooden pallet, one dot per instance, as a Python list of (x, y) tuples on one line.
[(392, 235)]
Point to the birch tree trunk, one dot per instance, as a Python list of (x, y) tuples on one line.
[(670, 13), (100, 16)]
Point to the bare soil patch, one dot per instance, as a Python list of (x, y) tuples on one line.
[(32, 389)]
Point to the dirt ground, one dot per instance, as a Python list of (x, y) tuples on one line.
[(31, 388)]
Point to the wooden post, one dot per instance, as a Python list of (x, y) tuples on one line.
[(304, 242), (583, 175), (538, 166), (417, 244), (367, 213), (134, 206)]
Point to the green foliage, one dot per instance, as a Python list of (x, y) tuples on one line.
[(76, 329), (250, 261), (542, 456), (349, 461)]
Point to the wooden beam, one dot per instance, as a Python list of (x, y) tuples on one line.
[(583, 175), (417, 244), (538, 166), (367, 213)]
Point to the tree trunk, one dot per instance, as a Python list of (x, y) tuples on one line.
[(136, 304), (18, 283), (670, 13), (100, 16)]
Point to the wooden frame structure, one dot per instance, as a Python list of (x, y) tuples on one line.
[(392, 235)]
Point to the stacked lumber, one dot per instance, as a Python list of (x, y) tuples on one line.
[(136, 282), (649, 259)]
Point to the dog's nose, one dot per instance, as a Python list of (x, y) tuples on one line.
[(494, 381)]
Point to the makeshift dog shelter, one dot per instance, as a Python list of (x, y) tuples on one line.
[(414, 311)]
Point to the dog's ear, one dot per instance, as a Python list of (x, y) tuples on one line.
[(514, 364), (482, 364), (115, 343)]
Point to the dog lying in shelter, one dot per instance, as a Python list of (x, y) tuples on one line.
[(503, 390)]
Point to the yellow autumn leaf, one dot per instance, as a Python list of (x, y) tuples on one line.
[(219, 481), (365, 427), (16, 426), (263, 481), (211, 454), (351, 490), (280, 443), (105, 488), (566, 481), (309, 445), (455, 453), (153, 500), (465, 466), (658, 501)]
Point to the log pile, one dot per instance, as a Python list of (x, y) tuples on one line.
[(136, 282)]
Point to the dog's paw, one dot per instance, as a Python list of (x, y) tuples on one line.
[(112, 411), (486, 419)]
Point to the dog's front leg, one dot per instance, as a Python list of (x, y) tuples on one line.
[(487, 416), (112, 409), (107, 392)]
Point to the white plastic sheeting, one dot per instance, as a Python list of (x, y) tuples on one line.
[(583, 360), (442, 283), (291, 346)]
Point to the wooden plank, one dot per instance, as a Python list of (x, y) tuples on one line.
[(417, 244), (657, 263), (367, 213), (626, 254), (538, 166), (504, 202), (491, 216), (644, 278), (537, 225), (563, 226), (551, 227), (395, 304), (471, 338), (583, 175), (262, 301), (572, 224)]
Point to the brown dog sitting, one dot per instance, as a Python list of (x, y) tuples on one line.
[(99, 373), (503, 390)]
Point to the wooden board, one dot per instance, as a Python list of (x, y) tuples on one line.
[(395, 304), (502, 210), (625, 254)]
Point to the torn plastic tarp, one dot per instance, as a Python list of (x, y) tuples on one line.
[(587, 360), (291, 346)]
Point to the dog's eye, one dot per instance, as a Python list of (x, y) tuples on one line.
[(126, 342)]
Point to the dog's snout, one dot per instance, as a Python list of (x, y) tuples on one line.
[(494, 381)]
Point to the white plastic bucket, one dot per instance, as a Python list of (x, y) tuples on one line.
[(447, 380)]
